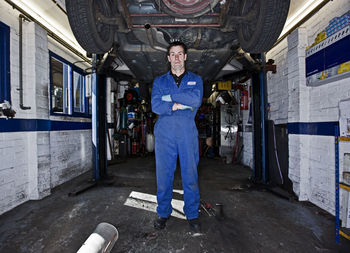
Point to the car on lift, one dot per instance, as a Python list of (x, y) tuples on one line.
[(140, 30)]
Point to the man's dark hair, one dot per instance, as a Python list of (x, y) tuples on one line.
[(177, 43)]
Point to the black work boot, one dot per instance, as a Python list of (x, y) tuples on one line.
[(160, 222), (195, 226)]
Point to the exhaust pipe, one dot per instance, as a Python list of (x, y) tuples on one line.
[(101, 240), (151, 39)]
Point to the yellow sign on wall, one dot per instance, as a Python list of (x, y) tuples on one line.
[(224, 85)]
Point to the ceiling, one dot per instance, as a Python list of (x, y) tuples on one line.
[(51, 13)]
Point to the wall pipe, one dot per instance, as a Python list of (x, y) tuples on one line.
[(20, 89), (49, 32)]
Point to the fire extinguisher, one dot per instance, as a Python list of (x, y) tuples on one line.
[(134, 146), (244, 100)]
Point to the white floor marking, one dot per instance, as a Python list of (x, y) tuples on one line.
[(149, 202)]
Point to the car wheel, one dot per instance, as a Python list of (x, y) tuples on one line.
[(94, 36), (266, 24)]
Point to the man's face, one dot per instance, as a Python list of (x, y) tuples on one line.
[(177, 58)]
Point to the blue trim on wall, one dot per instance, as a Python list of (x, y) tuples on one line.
[(66, 125), (312, 128), (35, 125)]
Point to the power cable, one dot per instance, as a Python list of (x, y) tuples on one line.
[(275, 148)]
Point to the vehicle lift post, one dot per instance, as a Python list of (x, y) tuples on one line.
[(99, 132), (259, 103)]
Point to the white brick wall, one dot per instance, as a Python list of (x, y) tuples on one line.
[(35, 162), (311, 158), (247, 155), (299, 171), (324, 100), (322, 174), (298, 106), (70, 155), (13, 170), (277, 84), (44, 162)]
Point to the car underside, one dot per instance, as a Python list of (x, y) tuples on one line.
[(139, 31)]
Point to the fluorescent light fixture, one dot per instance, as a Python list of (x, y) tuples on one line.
[(300, 14), (40, 10)]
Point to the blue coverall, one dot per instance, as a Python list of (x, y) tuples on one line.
[(176, 134)]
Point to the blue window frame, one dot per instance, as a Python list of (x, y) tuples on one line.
[(68, 85), (5, 90)]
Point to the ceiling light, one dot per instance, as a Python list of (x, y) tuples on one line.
[(40, 12), (301, 13)]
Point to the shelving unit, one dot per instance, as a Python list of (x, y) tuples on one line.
[(338, 231)]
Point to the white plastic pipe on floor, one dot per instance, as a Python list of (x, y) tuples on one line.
[(101, 240)]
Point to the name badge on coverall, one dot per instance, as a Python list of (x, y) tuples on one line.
[(191, 83)]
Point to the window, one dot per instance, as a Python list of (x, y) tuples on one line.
[(89, 79), (78, 92), (68, 84), (60, 99), (5, 92)]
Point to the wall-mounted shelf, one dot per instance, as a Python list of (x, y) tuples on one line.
[(329, 79)]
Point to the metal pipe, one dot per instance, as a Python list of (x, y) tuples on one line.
[(117, 20), (181, 25), (127, 14), (101, 240), (151, 40), (20, 89), (163, 14), (49, 32)]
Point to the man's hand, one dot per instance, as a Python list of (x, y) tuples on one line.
[(178, 106)]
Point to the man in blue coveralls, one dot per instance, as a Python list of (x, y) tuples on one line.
[(176, 96)]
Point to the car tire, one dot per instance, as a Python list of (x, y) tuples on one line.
[(260, 35), (94, 36)]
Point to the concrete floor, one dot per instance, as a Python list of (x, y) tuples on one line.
[(255, 220)]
